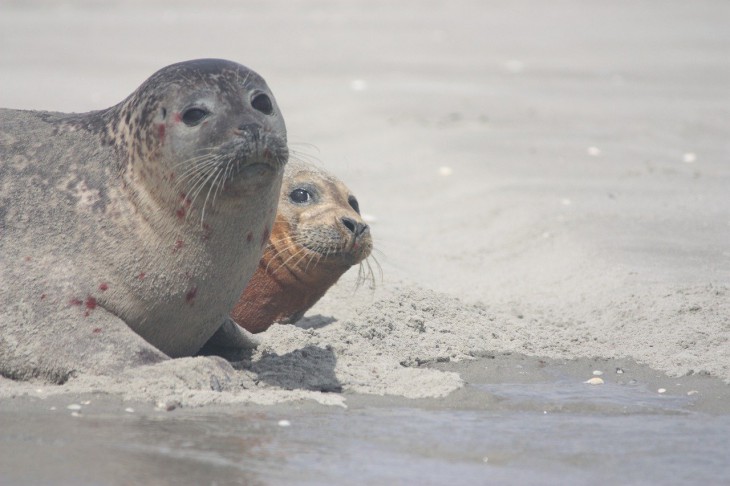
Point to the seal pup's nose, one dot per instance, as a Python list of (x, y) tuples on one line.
[(355, 228)]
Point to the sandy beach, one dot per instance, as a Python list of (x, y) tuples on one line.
[(544, 181)]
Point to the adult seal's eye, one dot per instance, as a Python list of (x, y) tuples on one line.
[(300, 196), (262, 103), (193, 116)]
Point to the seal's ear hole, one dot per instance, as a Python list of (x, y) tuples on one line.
[(163, 112), (262, 103), (300, 196), (193, 116), (352, 201)]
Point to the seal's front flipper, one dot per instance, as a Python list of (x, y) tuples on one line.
[(231, 342)]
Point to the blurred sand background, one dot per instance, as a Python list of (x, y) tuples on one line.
[(546, 178)]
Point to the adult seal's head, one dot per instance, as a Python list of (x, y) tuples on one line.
[(199, 130), (318, 235), (133, 215)]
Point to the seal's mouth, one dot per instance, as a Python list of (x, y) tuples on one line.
[(348, 253), (262, 159)]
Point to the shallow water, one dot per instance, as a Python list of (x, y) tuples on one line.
[(540, 433)]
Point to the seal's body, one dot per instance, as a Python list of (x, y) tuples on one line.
[(318, 235), (132, 216)]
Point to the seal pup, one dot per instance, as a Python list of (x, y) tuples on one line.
[(130, 218), (317, 236)]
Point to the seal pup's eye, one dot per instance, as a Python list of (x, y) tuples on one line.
[(262, 103), (300, 196), (193, 116), (353, 204)]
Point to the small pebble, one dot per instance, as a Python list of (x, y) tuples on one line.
[(129, 410), (445, 171), (74, 406), (594, 151), (692, 392), (662, 390), (485, 459), (594, 381), (284, 423), (689, 157), (75, 414), (52, 408), (168, 405), (597, 372), (619, 371), (86, 402)]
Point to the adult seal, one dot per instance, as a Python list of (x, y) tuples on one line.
[(317, 236), (129, 219)]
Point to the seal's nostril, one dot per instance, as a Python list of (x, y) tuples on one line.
[(361, 228), (350, 224)]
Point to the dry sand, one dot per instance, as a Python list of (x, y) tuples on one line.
[(544, 179)]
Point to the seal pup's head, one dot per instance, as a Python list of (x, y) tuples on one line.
[(317, 236), (201, 130)]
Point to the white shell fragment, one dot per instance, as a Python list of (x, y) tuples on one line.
[(594, 381)]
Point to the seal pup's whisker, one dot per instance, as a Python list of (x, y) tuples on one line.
[(284, 263)]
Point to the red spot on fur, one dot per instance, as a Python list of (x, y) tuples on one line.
[(141, 276), (161, 130), (90, 303), (75, 301), (249, 237), (180, 213), (177, 117), (178, 244), (190, 296), (103, 287), (96, 330), (265, 236), (43, 296)]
